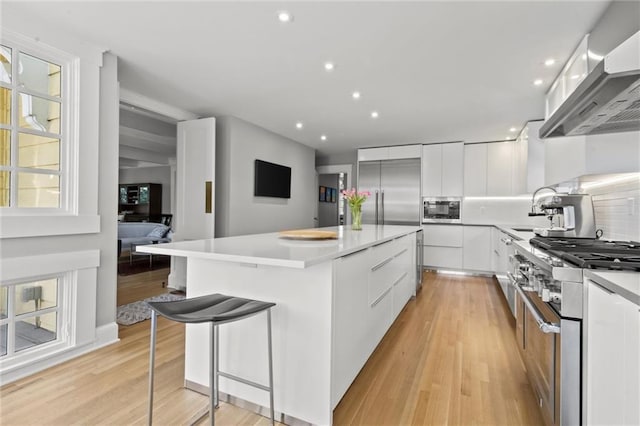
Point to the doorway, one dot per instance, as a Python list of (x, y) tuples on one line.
[(338, 177)]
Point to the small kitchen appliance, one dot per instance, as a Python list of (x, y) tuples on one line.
[(570, 215), (441, 210)]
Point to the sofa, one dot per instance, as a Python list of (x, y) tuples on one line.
[(140, 233)]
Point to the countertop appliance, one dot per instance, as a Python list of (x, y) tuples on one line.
[(442, 210), (395, 191), (570, 215), (548, 279), (608, 99)]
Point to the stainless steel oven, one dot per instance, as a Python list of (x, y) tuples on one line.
[(548, 305), (441, 210)]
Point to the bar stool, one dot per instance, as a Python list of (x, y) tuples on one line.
[(215, 309)]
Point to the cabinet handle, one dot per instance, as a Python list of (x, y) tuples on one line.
[(399, 279), (400, 254), (382, 296), (606, 290), (381, 264)]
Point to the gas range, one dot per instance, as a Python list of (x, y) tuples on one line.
[(592, 253)]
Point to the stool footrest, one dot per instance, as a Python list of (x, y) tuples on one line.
[(245, 381)]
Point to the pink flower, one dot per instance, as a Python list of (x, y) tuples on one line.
[(355, 198)]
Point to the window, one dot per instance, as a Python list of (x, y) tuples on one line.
[(35, 115), (30, 315)]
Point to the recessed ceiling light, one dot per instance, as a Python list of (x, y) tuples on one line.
[(356, 95), (374, 114), (329, 66), (513, 129), (323, 137), (537, 82), (507, 138), (299, 125), (549, 62), (284, 16), (575, 76)]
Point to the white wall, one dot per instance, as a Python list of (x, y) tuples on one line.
[(160, 174), (98, 173), (238, 212)]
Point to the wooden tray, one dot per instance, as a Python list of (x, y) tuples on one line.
[(308, 234)]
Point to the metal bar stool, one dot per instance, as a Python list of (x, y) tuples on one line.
[(215, 309)]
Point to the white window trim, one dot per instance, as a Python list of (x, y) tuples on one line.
[(78, 269), (68, 219)]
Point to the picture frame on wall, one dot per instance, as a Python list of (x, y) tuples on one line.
[(323, 193), (333, 195)]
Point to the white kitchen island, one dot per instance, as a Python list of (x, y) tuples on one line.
[(335, 300)]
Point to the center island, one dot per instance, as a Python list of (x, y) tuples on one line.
[(335, 300)]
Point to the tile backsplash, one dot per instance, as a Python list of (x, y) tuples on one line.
[(616, 207)]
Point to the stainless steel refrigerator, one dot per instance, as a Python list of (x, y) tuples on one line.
[(395, 191)]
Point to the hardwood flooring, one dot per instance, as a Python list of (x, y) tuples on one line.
[(450, 358)]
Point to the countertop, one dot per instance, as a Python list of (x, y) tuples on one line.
[(269, 249), (626, 284)]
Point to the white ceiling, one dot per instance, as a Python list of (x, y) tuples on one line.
[(435, 71)]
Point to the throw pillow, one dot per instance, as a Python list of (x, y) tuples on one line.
[(158, 232)]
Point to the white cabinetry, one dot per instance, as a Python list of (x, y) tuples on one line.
[(442, 246), (442, 169), (528, 159), (476, 248), (371, 288), (612, 358), (488, 169), (390, 153), (568, 158), (499, 168), (475, 169)]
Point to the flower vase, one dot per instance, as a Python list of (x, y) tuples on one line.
[(356, 218)]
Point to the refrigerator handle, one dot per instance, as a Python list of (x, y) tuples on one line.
[(382, 207), (376, 216)]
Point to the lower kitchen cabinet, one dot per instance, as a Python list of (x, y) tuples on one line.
[(372, 287), (443, 246), (612, 358), (476, 254)]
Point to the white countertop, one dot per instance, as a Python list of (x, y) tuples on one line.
[(626, 284), (269, 249)]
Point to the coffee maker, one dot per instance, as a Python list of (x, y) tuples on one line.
[(570, 216)]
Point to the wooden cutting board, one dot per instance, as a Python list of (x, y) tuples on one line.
[(308, 234)]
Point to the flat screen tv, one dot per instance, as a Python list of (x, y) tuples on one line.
[(272, 180)]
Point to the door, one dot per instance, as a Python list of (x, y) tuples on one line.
[(369, 180), (195, 179), (400, 192)]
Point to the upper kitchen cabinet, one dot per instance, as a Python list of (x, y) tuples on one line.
[(442, 169), (499, 168), (389, 153), (488, 169), (569, 158), (475, 169), (528, 160)]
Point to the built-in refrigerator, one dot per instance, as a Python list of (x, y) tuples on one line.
[(395, 191)]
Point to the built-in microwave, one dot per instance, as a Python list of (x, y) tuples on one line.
[(442, 210)]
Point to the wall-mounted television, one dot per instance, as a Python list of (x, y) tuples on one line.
[(272, 180)]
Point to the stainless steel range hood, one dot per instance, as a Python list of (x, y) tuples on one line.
[(608, 99)]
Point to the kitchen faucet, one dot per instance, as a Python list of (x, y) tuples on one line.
[(533, 201)]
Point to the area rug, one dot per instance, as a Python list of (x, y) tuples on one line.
[(139, 311)]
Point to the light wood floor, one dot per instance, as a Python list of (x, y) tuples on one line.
[(450, 358)]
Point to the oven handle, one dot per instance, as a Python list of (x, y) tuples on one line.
[(545, 327)]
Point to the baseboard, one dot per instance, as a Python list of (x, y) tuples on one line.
[(105, 335)]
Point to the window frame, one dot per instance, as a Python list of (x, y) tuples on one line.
[(69, 127), (63, 319)]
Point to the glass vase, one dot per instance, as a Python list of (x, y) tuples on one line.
[(356, 218)]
